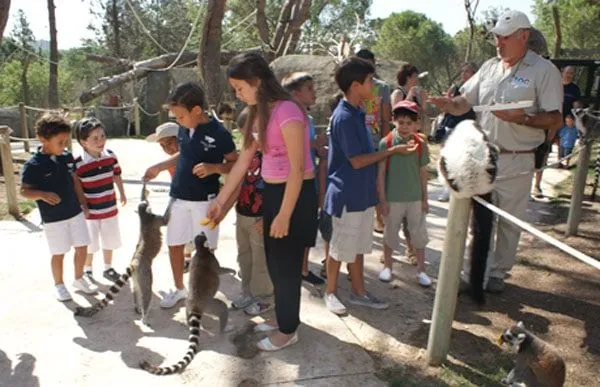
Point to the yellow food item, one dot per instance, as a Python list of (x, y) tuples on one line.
[(208, 222)]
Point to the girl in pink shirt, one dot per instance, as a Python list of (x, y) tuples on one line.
[(278, 126)]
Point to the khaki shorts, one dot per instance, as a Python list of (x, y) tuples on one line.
[(417, 225), (352, 234)]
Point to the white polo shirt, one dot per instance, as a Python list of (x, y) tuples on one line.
[(533, 78)]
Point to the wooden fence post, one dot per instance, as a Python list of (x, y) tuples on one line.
[(136, 117), (446, 293), (24, 125), (8, 171), (583, 163)]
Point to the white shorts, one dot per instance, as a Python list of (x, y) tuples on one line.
[(352, 234), (105, 230), (64, 234), (415, 220), (184, 223)]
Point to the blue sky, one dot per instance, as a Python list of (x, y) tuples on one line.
[(73, 15)]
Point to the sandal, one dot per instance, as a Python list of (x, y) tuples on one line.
[(267, 346), (257, 308)]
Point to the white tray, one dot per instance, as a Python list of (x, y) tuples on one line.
[(503, 106)]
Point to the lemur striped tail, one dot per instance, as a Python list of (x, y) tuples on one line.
[(194, 324), (112, 292)]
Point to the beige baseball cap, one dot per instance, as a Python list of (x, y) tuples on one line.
[(509, 22), (168, 129)]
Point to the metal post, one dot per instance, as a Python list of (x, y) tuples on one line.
[(7, 169), (446, 293), (136, 116), (583, 163), (24, 125)]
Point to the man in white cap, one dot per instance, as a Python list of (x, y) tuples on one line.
[(515, 74)]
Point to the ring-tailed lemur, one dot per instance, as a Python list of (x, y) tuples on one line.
[(538, 363), (140, 267), (468, 165), (203, 285)]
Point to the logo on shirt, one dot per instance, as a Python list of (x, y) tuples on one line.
[(208, 143), (520, 81)]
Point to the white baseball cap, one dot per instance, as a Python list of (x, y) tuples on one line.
[(168, 129), (509, 22)]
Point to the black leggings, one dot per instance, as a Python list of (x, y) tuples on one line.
[(284, 255)]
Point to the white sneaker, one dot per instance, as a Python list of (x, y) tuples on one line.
[(444, 195), (424, 279), (334, 304), (385, 275), (173, 297), (61, 292), (85, 285)]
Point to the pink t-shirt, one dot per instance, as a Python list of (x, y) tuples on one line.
[(275, 163)]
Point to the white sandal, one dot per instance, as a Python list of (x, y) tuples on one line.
[(267, 346)]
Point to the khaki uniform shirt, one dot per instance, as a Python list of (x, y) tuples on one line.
[(533, 78)]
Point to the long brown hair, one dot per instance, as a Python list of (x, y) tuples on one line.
[(251, 67)]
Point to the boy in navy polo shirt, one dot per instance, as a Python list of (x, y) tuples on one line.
[(203, 146), (47, 178), (352, 193)]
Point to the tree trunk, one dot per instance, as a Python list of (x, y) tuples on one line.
[(24, 81), (114, 19), (277, 42), (209, 61), (294, 30), (558, 40), (53, 78), (471, 8), (4, 8), (261, 23)]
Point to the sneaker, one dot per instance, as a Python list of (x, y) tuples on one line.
[(111, 275), (444, 195), (385, 275), (257, 308), (368, 300), (173, 297), (61, 293), (85, 285), (312, 279), (424, 279), (495, 285), (334, 305), (242, 301)]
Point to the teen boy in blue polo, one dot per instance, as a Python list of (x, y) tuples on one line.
[(47, 178), (203, 146), (351, 194)]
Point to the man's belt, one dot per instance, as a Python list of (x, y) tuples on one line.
[(516, 152)]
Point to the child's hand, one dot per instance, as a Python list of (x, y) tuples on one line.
[(280, 226), (322, 152), (50, 198), (405, 149), (425, 206), (215, 210), (150, 173), (123, 199), (384, 208), (258, 226), (321, 140), (203, 170)]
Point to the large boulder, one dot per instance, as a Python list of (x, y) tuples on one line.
[(322, 68)]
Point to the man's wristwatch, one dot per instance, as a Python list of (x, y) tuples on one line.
[(525, 119)]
